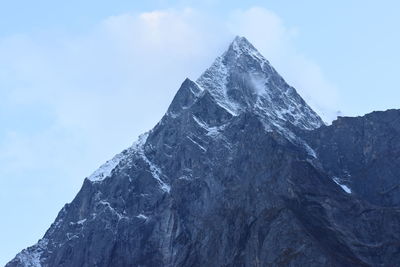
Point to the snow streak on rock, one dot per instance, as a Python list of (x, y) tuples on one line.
[(31, 257), (154, 169)]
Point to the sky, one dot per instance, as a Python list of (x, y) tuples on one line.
[(80, 80)]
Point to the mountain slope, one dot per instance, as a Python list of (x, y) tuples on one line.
[(364, 154), (237, 173)]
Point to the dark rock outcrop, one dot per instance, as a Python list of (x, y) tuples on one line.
[(364, 153)]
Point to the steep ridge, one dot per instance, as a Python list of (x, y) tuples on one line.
[(363, 153), (234, 174)]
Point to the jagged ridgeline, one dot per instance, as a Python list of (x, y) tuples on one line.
[(240, 171)]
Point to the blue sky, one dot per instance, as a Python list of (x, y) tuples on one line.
[(80, 80)]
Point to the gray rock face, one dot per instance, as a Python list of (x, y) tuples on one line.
[(364, 154), (239, 172)]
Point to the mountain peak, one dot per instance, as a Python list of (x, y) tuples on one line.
[(240, 40), (241, 44), (241, 79), (241, 51)]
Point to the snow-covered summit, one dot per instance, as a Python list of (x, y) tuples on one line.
[(241, 46), (241, 79)]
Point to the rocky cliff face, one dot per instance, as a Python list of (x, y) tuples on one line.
[(239, 172), (363, 153)]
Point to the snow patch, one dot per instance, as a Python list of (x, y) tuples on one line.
[(105, 170), (108, 205), (194, 142), (211, 131), (141, 216), (343, 186), (185, 177), (81, 221), (310, 151), (31, 257), (154, 169)]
